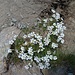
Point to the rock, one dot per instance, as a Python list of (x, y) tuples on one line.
[(35, 70), (20, 70), (59, 70), (19, 11), (1, 66), (48, 1), (6, 35), (46, 72), (69, 45)]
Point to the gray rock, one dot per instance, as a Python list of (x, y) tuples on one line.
[(20, 70), (6, 35), (59, 70), (25, 11)]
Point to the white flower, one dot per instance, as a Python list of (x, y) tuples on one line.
[(22, 48), (48, 35), (48, 52), (53, 15), (46, 59), (47, 41), (34, 41), (59, 39), (51, 57), (29, 35), (11, 42), (62, 35), (64, 27), (38, 50), (62, 22), (22, 56), (37, 59), (45, 20), (54, 45), (19, 56), (41, 66), (24, 36), (40, 44), (54, 57), (9, 51), (50, 28), (28, 57), (44, 25), (51, 19), (39, 38), (53, 10), (55, 32), (32, 34), (61, 18), (30, 51), (57, 16), (26, 43), (62, 41), (47, 64), (54, 24), (42, 49), (59, 25), (15, 36)]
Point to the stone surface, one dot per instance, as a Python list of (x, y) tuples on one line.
[(45, 1), (25, 11), (20, 70), (5, 36), (69, 45), (60, 70)]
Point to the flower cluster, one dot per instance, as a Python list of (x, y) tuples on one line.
[(38, 48)]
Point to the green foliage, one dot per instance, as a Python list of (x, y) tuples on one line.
[(18, 43)]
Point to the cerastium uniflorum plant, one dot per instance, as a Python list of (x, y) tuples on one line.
[(40, 45)]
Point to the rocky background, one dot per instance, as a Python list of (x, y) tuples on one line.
[(16, 14)]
